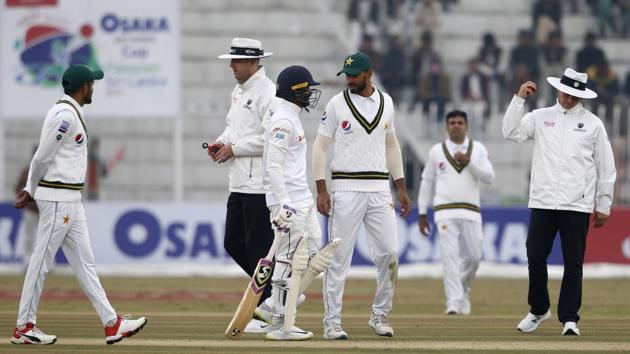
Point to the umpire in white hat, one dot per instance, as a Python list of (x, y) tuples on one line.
[(248, 233), (572, 177)]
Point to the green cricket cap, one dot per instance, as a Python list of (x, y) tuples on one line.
[(78, 74), (356, 64)]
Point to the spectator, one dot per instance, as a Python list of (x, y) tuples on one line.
[(553, 62), (363, 17), (475, 92), (624, 10), (604, 81), (434, 89), (524, 63), (368, 47), (426, 16), (589, 54), (604, 12), (546, 18), (394, 73), (422, 57), (490, 55)]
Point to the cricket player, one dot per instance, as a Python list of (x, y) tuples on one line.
[(289, 199), (360, 122), (452, 177), (56, 177)]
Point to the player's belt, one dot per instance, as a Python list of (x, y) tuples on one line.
[(468, 206), (61, 185), (361, 175)]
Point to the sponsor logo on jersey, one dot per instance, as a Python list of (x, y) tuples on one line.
[(248, 105), (346, 126), (580, 128), (281, 129), (300, 138), (279, 136), (79, 139), (64, 126), (550, 124)]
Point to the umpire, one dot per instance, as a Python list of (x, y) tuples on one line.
[(572, 175), (248, 233)]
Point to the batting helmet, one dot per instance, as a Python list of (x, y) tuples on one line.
[(294, 85)]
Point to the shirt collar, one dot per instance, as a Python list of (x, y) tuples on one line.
[(573, 110), (252, 79), (290, 106), (452, 144), (373, 97), (74, 103)]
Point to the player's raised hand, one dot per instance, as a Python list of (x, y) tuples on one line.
[(528, 88), (22, 199)]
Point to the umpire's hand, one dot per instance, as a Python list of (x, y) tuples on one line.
[(599, 219), (528, 88)]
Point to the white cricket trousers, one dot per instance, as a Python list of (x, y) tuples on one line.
[(376, 211), (461, 247), (305, 224), (62, 224)]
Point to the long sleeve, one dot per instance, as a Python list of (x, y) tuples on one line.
[(481, 167), (277, 148), (606, 172), (320, 147), (427, 186), (517, 125), (54, 134), (393, 157)]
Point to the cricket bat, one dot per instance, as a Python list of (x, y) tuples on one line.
[(253, 292), (294, 287)]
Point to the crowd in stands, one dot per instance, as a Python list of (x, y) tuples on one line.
[(399, 35)]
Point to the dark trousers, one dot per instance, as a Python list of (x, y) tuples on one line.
[(543, 226), (248, 233)]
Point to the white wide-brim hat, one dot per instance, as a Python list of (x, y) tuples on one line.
[(572, 83), (245, 48)]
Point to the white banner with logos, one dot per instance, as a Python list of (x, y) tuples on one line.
[(136, 43), (183, 239)]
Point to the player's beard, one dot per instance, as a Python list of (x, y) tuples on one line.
[(358, 88)]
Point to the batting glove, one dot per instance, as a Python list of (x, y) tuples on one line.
[(284, 218)]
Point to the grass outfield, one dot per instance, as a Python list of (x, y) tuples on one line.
[(189, 315)]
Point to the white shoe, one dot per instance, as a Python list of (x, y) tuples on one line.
[(380, 325), (570, 329), (452, 311), (296, 334), (257, 326), (31, 335), (465, 308), (531, 322), (123, 327), (335, 331)]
